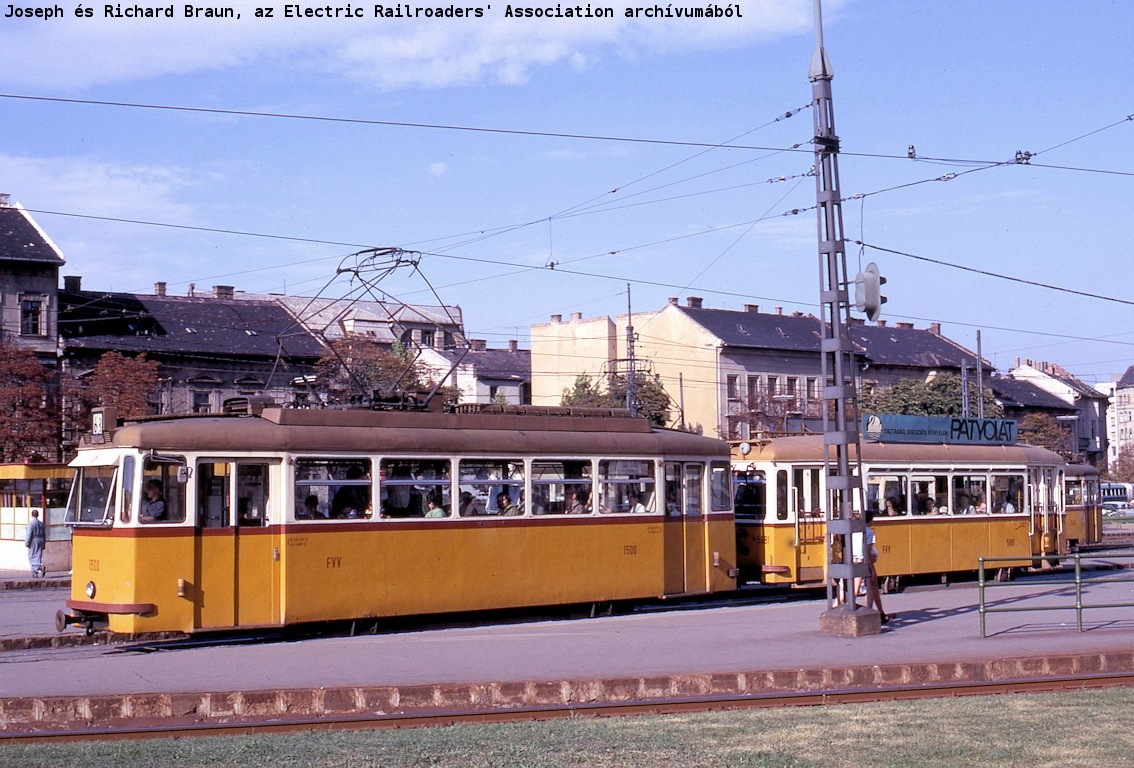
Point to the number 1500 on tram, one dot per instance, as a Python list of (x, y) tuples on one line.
[(294, 516)]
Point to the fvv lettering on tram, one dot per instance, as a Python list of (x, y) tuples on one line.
[(334, 562)]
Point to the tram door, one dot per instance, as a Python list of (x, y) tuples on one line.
[(810, 524), (1047, 522), (686, 530), (237, 574)]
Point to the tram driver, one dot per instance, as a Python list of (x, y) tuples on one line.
[(153, 506)]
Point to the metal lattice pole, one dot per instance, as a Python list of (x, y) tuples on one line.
[(839, 370)]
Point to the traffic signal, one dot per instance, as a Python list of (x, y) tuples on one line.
[(868, 296)]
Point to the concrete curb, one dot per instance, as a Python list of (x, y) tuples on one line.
[(33, 714)]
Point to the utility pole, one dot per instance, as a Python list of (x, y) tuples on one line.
[(840, 373), (631, 374)]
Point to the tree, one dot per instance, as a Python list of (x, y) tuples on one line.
[(1123, 469), (586, 393), (29, 427), (355, 369), (653, 402), (1044, 430), (940, 396), (129, 384)]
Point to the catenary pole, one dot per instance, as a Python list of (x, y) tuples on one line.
[(841, 438)]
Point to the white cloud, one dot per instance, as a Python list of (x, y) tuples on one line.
[(437, 169), (387, 54)]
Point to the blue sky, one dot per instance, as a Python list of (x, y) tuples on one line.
[(967, 83)]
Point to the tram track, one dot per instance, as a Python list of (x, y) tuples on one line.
[(149, 729)]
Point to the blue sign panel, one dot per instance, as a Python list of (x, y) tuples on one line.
[(894, 428)]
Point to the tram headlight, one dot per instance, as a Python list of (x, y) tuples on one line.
[(91, 589)]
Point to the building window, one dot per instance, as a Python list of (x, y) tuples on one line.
[(733, 387), (202, 402), (31, 317), (427, 338), (753, 391)]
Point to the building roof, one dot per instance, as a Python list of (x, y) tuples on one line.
[(494, 364), (1060, 374), (163, 325), (381, 321), (1018, 394), (1127, 379), (893, 345), (21, 239)]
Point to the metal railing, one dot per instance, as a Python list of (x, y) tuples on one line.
[(1079, 606)]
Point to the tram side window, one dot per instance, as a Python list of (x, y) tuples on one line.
[(625, 485), (92, 496), (1074, 492), (341, 487), (482, 481), (970, 495), (163, 495), (931, 495), (720, 487), (407, 486), (886, 495), (1006, 494), (751, 496), (781, 495)]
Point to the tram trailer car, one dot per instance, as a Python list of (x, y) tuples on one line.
[(296, 516), (938, 507)]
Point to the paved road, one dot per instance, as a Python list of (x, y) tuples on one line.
[(932, 625)]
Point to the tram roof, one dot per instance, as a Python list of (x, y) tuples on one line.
[(810, 448), (343, 431)]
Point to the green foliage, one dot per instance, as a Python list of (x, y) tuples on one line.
[(940, 396), (587, 393), (653, 401)]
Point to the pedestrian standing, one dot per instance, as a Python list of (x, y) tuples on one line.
[(36, 541)]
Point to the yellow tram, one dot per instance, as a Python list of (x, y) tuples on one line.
[(937, 507), (291, 516)]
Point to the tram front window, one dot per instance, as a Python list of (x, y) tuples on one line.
[(92, 496)]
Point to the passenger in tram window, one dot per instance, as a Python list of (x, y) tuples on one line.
[(505, 505), (963, 506), (891, 507), (636, 505), (981, 508), (153, 506), (433, 505), (573, 505), (311, 508), (1009, 507), (351, 500), (466, 507)]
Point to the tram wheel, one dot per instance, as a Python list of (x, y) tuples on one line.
[(1003, 574)]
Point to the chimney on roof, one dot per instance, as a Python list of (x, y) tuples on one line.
[(557, 318), (752, 308), (673, 300), (694, 302), (223, 292), (478, 345), (192, 289), (513, 345), (857, 321), (779, 310), (906, 326), (935, 329), (159, 288), (576, 316), (4, 201), (73, 283), (881, 323)]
